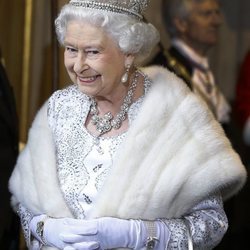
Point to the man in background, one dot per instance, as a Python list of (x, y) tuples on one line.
[(9, 224), (193, 29), (193, 26)]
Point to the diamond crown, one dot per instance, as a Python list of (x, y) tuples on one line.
[(129, 7)]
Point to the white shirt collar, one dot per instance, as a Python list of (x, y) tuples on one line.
[(190, 53)]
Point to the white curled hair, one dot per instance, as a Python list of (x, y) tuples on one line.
[(131, 35)]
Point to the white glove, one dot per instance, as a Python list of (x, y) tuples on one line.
[(54, 228), (108, 232)]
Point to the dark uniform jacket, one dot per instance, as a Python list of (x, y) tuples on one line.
[(176, 62), (8, 155)]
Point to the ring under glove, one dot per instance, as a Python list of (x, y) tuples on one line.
[(108, 232)]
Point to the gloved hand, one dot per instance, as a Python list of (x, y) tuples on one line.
[(108, 232), (54, 228)]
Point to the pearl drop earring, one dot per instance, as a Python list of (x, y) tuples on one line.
[(125, 75)]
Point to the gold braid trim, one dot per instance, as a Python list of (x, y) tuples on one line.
[(181, 71), (178, 68)]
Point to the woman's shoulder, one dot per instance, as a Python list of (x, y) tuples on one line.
[(67, 100), (162, 76), (166, 83)]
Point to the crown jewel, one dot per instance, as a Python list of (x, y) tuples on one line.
[(129, 7)]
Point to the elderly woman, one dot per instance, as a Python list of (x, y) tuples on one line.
[(122, 158)]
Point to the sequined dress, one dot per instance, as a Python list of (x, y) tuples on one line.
[(83, 163)]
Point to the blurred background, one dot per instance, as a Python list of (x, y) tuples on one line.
[(34, 63)]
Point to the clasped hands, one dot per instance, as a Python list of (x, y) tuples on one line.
[(102, 233)]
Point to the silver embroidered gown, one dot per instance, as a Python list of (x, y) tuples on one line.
[(83, 163)]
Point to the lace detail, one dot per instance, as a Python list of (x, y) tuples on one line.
[(82, 174), (207, 222), (25, 218), (178, 238)]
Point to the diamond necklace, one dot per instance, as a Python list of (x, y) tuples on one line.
[(107, 122)]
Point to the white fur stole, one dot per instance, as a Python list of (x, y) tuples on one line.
[(174, 155)]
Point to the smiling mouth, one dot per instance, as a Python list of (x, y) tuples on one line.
[(88, 79)]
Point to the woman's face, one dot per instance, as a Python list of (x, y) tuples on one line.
[(93, 60)]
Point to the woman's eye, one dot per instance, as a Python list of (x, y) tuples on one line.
[(92, 52), (70, 50)]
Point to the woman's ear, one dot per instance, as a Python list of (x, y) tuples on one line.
[(129, 59)]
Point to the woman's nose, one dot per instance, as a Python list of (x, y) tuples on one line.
[(80, 64)]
